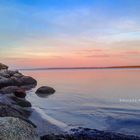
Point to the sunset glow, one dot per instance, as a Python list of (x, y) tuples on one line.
[(69, 33)]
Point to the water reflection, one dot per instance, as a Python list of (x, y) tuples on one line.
[(91, 98), (41, 95)]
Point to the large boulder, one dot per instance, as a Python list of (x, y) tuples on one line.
[(16, 129), (45, 90), (17, 81), (3, 67), (27, 80)]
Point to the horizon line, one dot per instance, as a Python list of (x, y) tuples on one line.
[(90, 67)]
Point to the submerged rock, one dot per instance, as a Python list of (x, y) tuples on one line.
[(16, 129), (89, 134), (45, 90)]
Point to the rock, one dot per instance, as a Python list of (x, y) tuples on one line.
[(45, 90), (4, 82), (6, 99), (10, 72), (17, 91), (89, 134), (20, 93), (3, 74), (13, 111), (18, 75), (3, 67), (24, 103), (16, 129), (27, 80), (14, 81), (21, 102), (9, 89)]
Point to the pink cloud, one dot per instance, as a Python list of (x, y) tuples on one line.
[(133, 52)]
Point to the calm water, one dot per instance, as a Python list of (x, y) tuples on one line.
[(102, 99)]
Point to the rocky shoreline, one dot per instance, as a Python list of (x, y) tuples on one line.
[(15, 111)]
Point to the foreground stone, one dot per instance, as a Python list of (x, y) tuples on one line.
[(45, 90), (16, 129)]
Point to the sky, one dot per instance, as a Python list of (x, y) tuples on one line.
[(69, 33)]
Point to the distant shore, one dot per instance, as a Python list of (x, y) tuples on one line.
[(76, 68)]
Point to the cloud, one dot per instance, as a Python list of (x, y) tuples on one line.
[(99, 56), (133, 52)]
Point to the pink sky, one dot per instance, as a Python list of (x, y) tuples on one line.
[(72, 53), (70, 33)]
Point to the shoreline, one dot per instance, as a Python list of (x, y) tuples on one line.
[(45, 124), (14, 106)]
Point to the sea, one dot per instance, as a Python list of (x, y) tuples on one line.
[(103, 99)]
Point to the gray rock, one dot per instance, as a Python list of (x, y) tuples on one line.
[(18, 75), (16, 129), (6, 82), (24, 103), (21, 102), (13, 111), (45, 90), (11, 72), (20, 93), (17, 81), (17, 91), (3, 67), (9, 89), (3, 74), (27, 80), (5, 99), (89, 134)]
